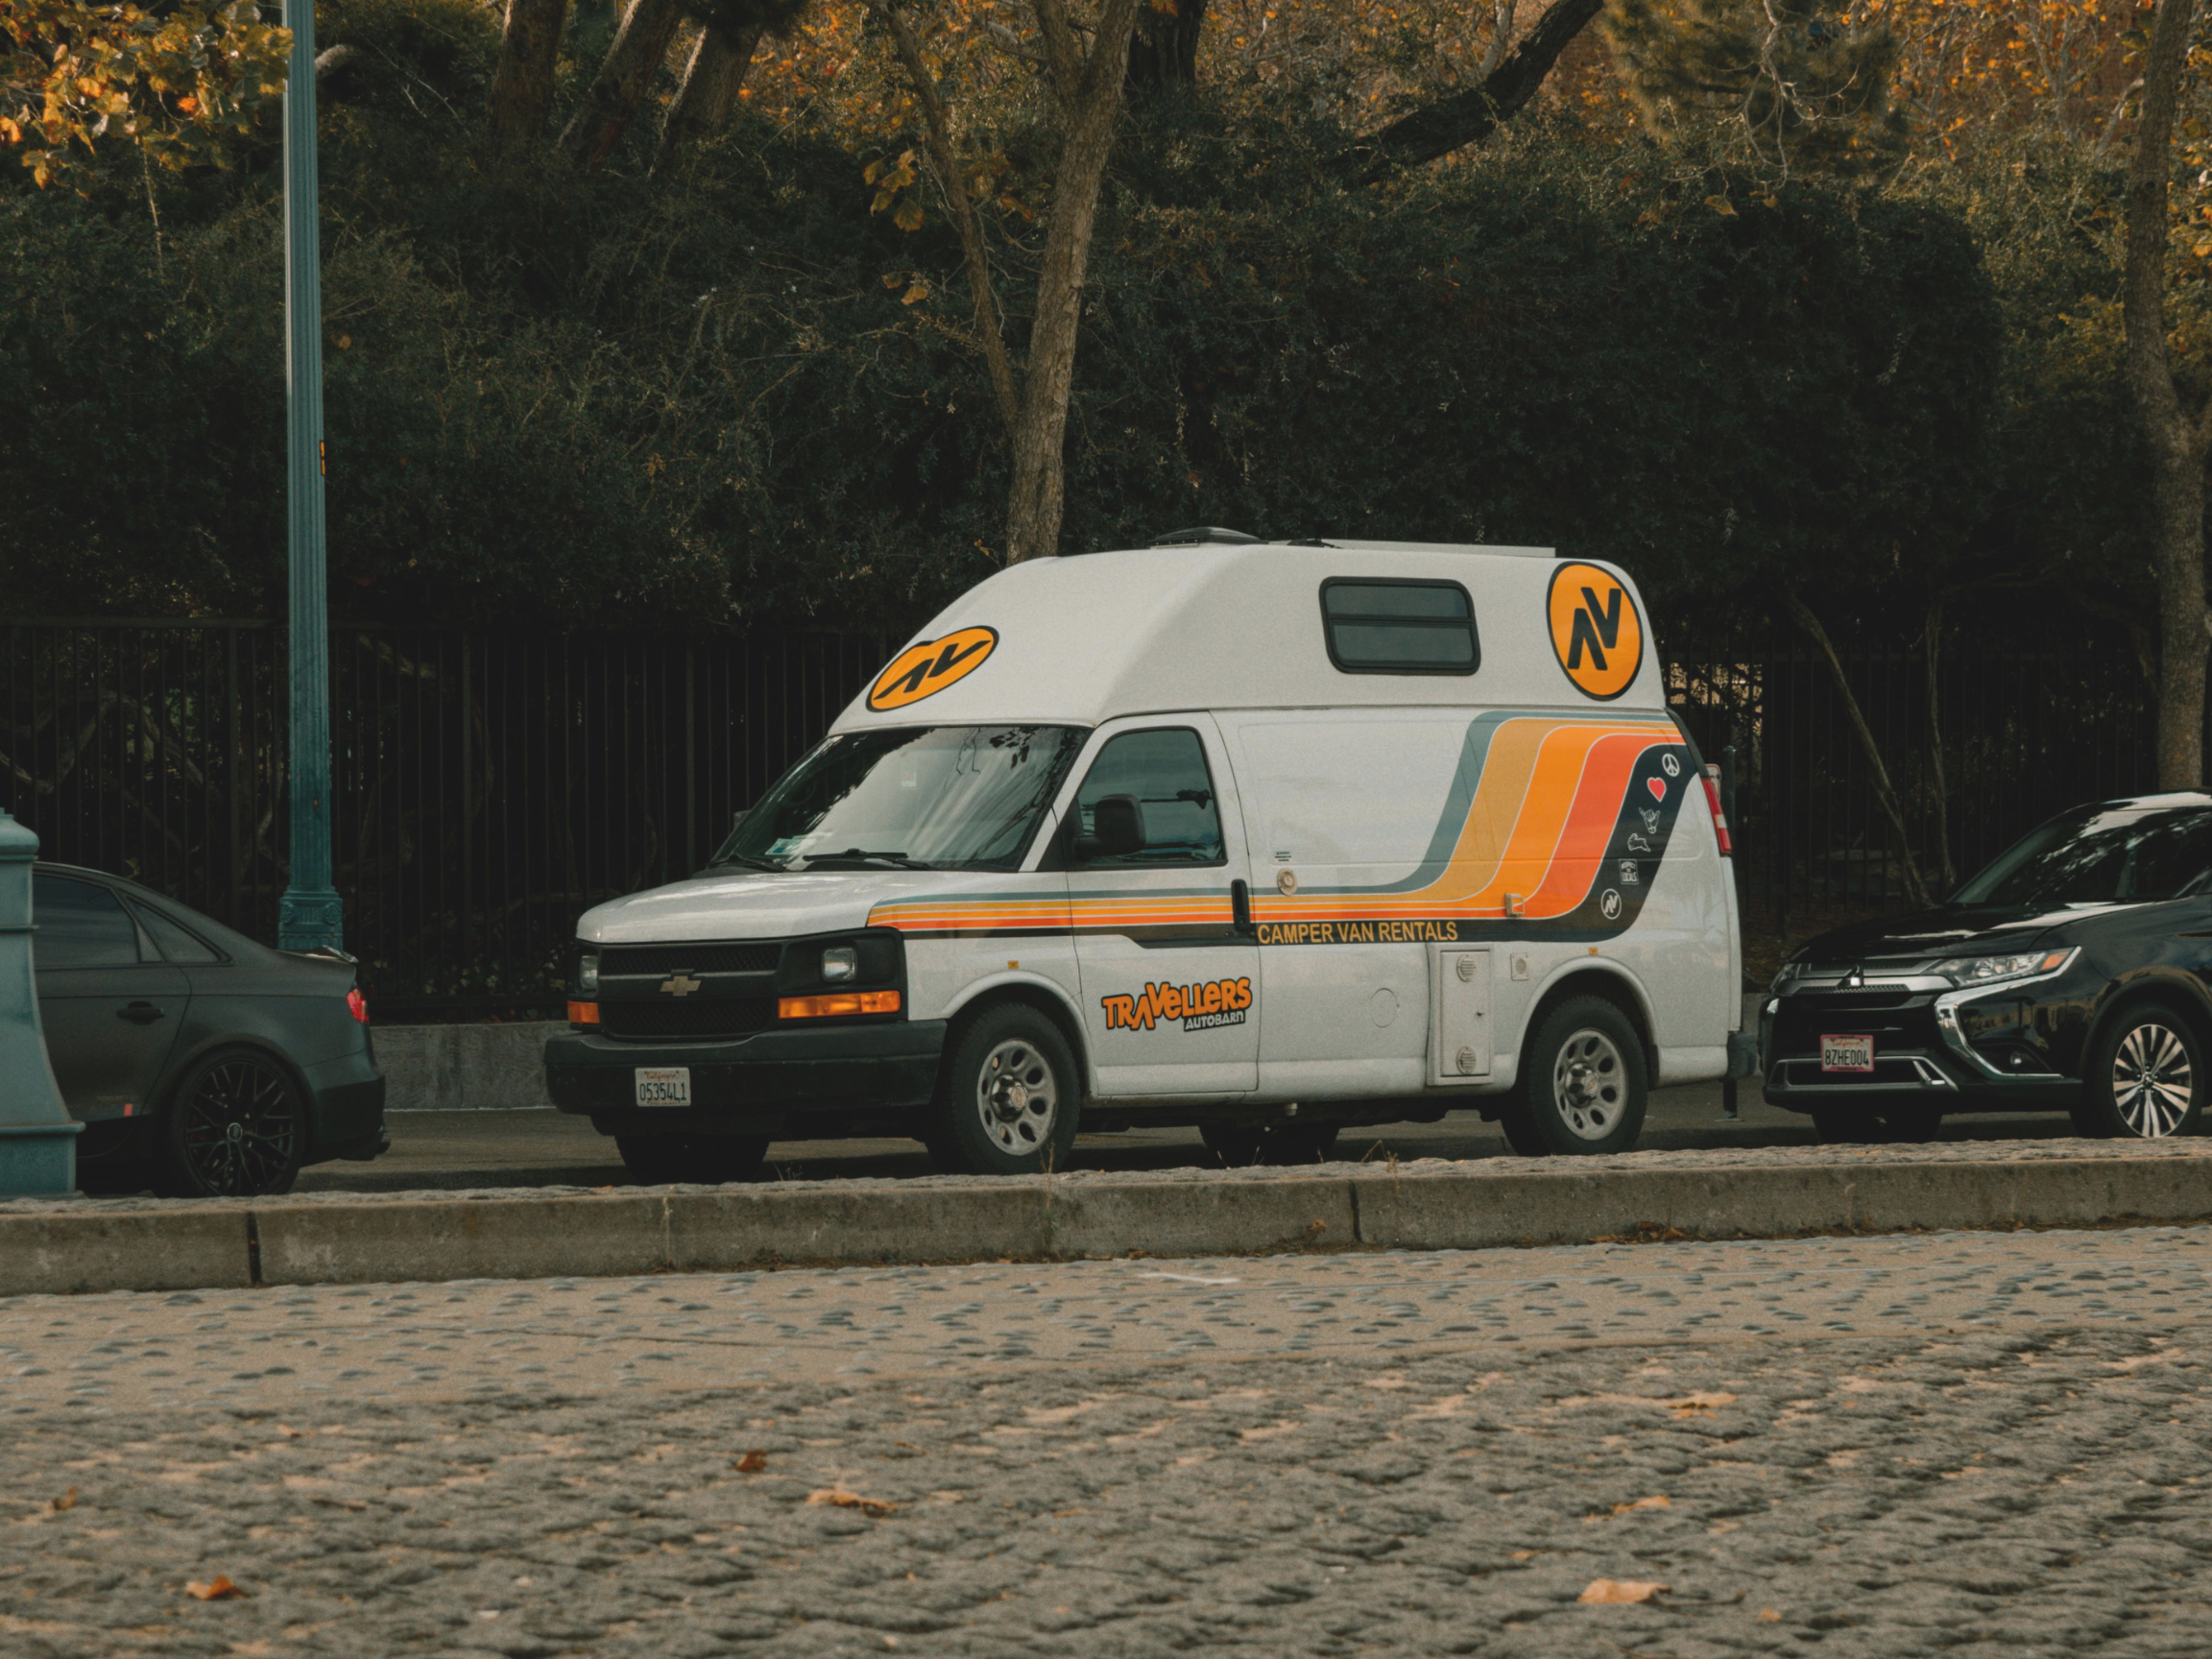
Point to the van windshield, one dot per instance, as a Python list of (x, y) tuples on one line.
[(934, 798)]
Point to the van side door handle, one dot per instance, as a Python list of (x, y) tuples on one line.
[(1241, 907), (139, 1013)]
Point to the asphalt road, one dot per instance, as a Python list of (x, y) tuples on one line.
[(1879, 1449), (471, 1149)]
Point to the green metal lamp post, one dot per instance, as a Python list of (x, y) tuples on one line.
[(307, 915), (37, 1141)]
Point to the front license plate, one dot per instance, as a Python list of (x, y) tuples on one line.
[(663, 1085), (1837, 1054)]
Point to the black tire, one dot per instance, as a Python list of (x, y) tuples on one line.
[(235, 1127), (2145, 1077), (1008, 1096), (1583, 1083), (665, 1159), (1240, 1145)]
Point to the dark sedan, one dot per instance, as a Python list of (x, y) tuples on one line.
[(2070, 975), (199, 1061)]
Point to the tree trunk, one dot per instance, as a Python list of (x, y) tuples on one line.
[(618, 91), (2178, 443), (1915, 889), (1940, 789), (1163, 55), (522, 81), (1034, 505), (1468, 117), (709, 97)]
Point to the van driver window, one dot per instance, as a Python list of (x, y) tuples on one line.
[(1165, 770)]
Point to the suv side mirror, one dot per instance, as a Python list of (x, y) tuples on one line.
[(1117, 828)]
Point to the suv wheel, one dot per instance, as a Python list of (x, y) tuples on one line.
[(1582, 1083), (234, 1128), (1007, 1097), (2145, 1078)]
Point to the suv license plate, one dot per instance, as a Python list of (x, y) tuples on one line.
[(663, 1085), (1837, 1054)]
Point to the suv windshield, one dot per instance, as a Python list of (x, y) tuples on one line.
[(939, 798), (2101, 855)]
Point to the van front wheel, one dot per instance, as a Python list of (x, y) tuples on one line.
[(1008, 1096), (1582, 1083)]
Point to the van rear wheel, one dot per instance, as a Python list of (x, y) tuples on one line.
[(1582, 1083), (1008, 1096)]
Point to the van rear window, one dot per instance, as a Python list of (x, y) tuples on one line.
[(1388, 626)]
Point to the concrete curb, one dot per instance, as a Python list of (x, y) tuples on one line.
[(140, 1244)]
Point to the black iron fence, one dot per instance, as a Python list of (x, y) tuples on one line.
[(488, 785)]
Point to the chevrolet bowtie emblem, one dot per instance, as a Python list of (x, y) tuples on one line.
[(678, 985)]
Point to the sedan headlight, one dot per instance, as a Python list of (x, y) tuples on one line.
[(839, 962), (1978, 971), (587, 974)]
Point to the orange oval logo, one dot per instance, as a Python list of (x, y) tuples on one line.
[(926, 670), (1595, 630)]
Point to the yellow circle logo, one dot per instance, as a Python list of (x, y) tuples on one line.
[(926, 670), (1595, 630)]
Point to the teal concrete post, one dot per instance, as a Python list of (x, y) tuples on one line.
[(307, 915), (37, 1141)]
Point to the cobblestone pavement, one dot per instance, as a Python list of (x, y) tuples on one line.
[(1941, 1444)]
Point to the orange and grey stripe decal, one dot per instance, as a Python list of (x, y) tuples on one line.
[(1568, 815)]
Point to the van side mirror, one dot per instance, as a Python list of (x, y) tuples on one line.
[(1117, 828)]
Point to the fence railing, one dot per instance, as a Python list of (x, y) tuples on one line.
[(490, 786)]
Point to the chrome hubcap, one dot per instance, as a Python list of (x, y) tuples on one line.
[(1017, 1095), (2152, 1080), (1590, 1084)]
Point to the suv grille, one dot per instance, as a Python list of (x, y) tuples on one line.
[(691, 958), (730, 1017)]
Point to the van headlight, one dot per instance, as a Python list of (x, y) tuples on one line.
[(840, 962), (588, 973), (1974, 972)]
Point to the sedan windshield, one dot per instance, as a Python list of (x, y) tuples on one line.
[(2101, 855), (933, 798)]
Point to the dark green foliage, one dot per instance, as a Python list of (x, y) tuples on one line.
[(702, 400)]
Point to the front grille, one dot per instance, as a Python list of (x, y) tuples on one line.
[(1890, 1019), (690, 958), (727, 1017)]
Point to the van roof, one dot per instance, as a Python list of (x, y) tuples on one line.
[(1215, 625)]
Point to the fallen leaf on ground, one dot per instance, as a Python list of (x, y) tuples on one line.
[(1524, 1555), (1655, 1502), (1622, 1592), (1699, 1405), (1767, 1616), (67, 1500), (754, 1462), (221, 1589), (844, 1500)]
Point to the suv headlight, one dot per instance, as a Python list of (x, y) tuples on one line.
[(839, 962), (1978, 971), (587, 974)]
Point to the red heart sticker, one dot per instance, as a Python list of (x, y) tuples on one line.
[(1657, 787)]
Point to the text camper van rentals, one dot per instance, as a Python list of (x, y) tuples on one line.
[(1267, 837)]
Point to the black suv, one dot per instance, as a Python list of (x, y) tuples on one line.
[(2070, 975)]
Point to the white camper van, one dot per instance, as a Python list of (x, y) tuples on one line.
[(1269, 838)]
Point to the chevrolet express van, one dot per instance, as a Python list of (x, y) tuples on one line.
[(1268, 838)]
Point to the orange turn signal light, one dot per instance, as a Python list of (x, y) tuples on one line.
[(837, 1002), (583, 1013)]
